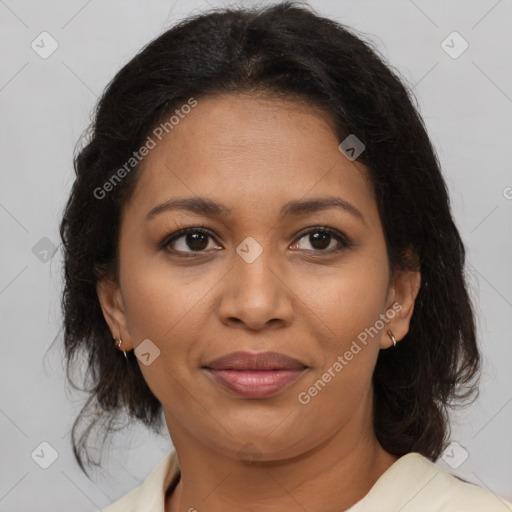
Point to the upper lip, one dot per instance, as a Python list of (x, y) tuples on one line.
[(261, 361)]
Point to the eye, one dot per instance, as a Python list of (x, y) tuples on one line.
[(188, 241), (195, 239), (323, 239)]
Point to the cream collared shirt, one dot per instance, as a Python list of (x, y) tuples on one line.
[(411, 484)]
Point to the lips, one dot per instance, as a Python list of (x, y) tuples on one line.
[(262, 361), (255, 375)]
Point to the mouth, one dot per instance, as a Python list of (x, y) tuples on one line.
[(255, 383), (255, 375)]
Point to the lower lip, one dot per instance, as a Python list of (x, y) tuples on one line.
[(255, 384)]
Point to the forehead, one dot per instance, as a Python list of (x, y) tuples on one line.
[(249, 148)]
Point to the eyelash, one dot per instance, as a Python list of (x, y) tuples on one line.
[(344, 242)]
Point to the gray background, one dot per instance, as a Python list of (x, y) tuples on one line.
[(45, 106)]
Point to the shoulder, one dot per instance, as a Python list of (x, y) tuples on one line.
[(445, 492), (125, 503), (150, 495), (416, 484), (458, 494)]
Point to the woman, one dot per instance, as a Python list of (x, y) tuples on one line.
[(260, 225)]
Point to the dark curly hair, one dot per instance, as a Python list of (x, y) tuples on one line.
[(290, 51)]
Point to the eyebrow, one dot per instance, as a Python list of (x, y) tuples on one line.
[(204, 206)]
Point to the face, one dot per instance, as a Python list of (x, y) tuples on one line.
[(262, 268)]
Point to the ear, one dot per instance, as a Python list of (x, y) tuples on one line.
[(404, 288), (111, 301)]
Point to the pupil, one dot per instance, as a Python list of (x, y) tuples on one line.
[(197, 241), (322, 238)]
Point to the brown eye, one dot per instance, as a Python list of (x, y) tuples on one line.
[(188, 240), (322, 240), (196, 241)]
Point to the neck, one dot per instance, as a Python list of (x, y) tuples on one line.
[(332, 476)]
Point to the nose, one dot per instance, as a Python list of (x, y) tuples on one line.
[(255, 295)]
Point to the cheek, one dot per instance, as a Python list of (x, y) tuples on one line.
[(345, 307), (345, 301), (349, 305), (159, 298), (166, 304)]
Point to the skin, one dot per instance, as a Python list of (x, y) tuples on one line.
[(254, 154)]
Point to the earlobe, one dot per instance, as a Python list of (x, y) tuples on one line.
[(111, 301), (405, 289)]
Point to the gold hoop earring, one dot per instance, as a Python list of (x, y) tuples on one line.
[(393, 339), (119, 346)]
